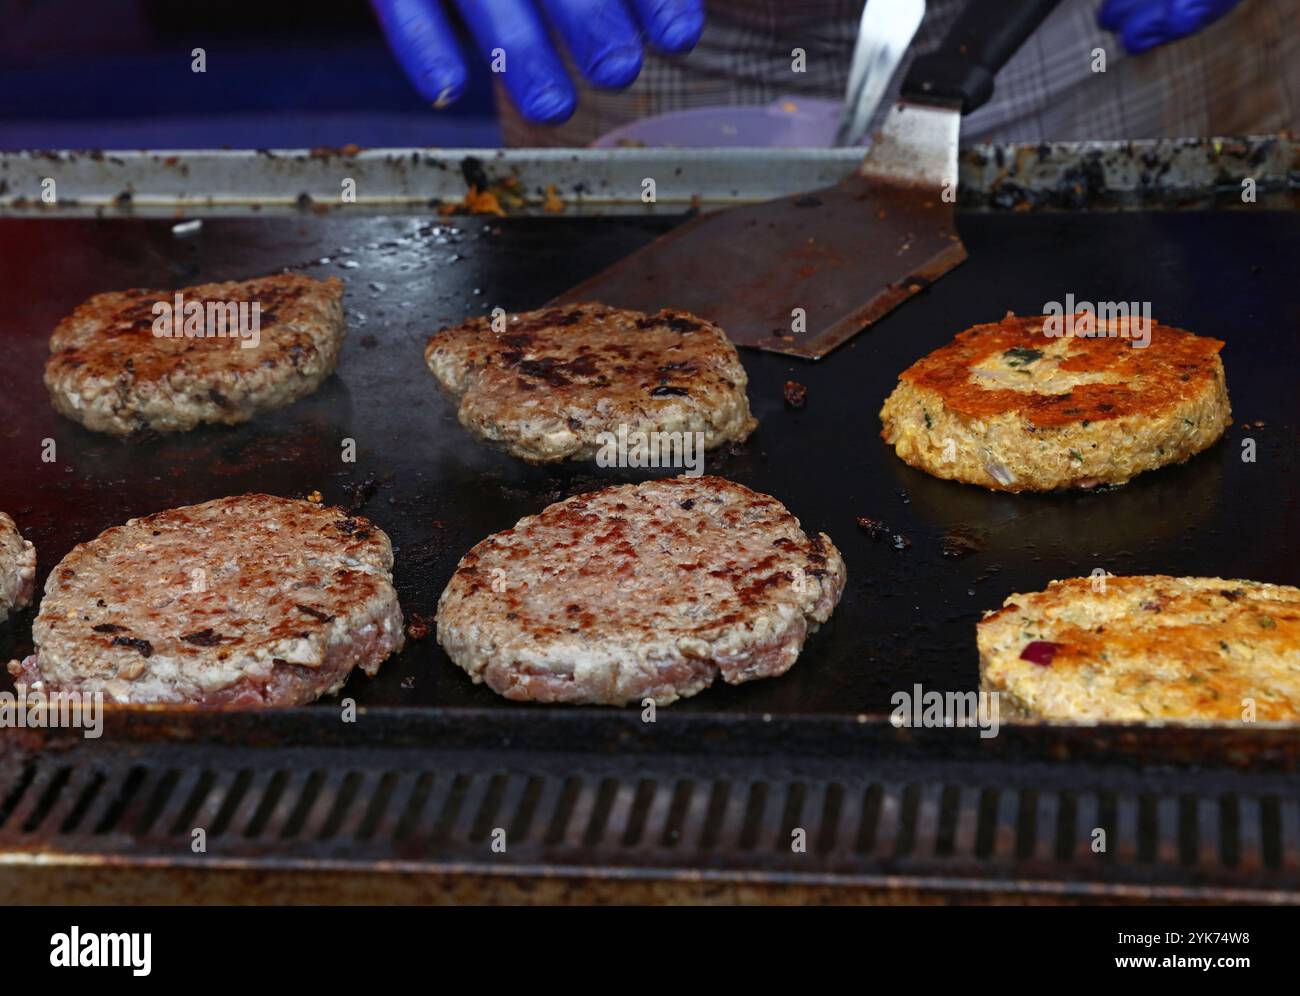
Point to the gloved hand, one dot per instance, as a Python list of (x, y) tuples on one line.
[(1144, 24), (602, 37)]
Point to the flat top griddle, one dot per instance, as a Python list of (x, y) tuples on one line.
[(907, 616)]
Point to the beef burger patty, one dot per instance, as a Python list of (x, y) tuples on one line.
[(551, 382), (17, 568), (109, 371), (640, 591), (247, 601)]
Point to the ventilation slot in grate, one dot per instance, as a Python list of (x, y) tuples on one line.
[(674, 816)]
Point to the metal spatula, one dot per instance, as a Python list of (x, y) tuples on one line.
[(802, 274)]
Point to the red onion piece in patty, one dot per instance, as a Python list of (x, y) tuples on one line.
[(1040, 652)]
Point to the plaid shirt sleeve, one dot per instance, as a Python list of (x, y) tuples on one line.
[(1239, 76)]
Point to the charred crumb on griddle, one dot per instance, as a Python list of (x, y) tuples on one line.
[(874, 528), (878, 530), (143, 647), (959, 543), (418, 625), (360, 492), (796, 395)]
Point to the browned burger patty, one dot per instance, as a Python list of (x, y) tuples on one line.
[(246, 601), (640, 591), (109, 371), (551, 382), (17, 568), (1010, 408)]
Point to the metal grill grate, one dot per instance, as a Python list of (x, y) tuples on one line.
[(1029, 825)]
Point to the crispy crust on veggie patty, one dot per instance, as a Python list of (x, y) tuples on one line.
[(1008, 407), (1147, 648)]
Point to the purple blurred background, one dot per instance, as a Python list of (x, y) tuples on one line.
[(116, 74)]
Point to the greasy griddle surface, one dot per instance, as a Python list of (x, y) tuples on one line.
[(906, 617)]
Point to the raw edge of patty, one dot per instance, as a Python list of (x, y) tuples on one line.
[(296, 596), (1161, 406), (17, 568), (109, 372), (547, 386), (1146, 649), (581, 640)]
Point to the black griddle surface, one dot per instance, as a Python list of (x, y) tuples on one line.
[(906, 617)]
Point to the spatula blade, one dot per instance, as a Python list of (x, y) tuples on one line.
[(801, 274)]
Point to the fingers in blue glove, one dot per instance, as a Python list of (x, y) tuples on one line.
[(426, 47), (674, 26), (533, 73), (1114, 13), (1144, 24), (602, 39)]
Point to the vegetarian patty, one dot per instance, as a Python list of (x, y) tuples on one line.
[(639, 591), (110, 371), (17, 568), (1147, 648), (549, 383), (1010, 408), (246, 601)]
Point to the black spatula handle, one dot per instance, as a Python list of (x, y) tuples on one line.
[(986, 35)]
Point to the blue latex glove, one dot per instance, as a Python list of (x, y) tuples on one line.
[(603, 38), (1144, 24)]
